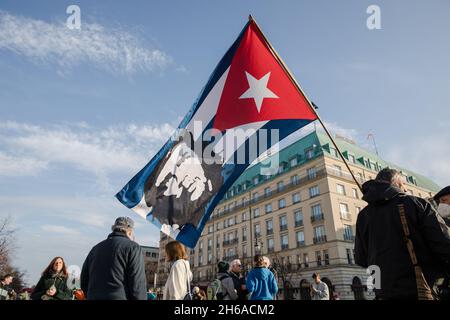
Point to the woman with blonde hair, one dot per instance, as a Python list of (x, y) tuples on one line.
[(180, 276)]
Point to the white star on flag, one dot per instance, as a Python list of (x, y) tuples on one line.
[(258, 90)]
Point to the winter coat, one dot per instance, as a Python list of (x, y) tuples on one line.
[(238, 282), (114, 270), (380, 240), (46, 281), (176, 286), (228, 290), (261, 284)]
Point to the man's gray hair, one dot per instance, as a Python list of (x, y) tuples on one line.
[(234, 262), (123, 224), (387, 175)]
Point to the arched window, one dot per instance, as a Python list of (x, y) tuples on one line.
[(330, 287), (305, 290), (358, 289)]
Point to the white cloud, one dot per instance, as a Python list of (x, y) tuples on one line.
[(19, 166), (60, 230), (29, 149), (109, 48)]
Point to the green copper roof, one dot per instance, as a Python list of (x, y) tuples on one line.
[(298, 150)]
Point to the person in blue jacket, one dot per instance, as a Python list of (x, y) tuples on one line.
[(261, 282)]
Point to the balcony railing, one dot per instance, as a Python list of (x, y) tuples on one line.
[(284, 246), (300, 243), (283, 227), (270, 250), (230, 242), (319, 239), (269, 232), (349, 237), (317, 218), (299, 223)]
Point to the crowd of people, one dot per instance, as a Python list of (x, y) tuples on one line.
[(407, 237)]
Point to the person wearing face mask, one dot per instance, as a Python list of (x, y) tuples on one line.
[(442, 199), (114, 269), (381, 239)]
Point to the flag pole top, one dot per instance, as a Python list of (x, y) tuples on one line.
[(250, 18)]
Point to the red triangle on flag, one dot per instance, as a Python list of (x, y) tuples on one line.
[(257, 87)]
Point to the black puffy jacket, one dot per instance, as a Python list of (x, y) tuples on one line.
[(379, 239), (114, 270)]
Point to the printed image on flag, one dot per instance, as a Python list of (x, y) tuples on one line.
[(249, 89)]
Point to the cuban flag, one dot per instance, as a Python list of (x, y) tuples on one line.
[(250, 89)]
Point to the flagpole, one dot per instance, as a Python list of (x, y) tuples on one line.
[(297, 85)]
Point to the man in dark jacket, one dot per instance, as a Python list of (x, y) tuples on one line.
[(380, 239), (114, 269)]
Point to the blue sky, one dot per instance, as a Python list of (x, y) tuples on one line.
[(77, 121)]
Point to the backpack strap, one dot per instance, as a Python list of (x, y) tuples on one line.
[(423, 289)]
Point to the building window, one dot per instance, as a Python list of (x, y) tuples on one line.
[(209, 258), (296, 197), (319, 235), (269, 227), (306, 260), (211, 229), (326, 257), (349, 256), (267, 192), (244, 251), (244, 216), (314, 191), (284, 242), (309, 153), (270, 245), (255, 180), (281, 203), (311, 173), (340, 189), (300, 238), (355, 193), (333, 152), (343, 208), (244, 234), (316, 212), (255, 196), (293, 162), (255, 212), (337, 170), (283, 223), (280, 186), (294, 179), (348, 233), (200, 260), (210, 244), (268, 207), (257, 230), (351, 158), (319, 258), (298, 218)]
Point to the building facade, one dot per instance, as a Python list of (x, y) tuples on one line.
[(303, 218), (151, 260)]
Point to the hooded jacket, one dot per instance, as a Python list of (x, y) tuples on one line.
[(380, 240), (114, 270), (261, 284)]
